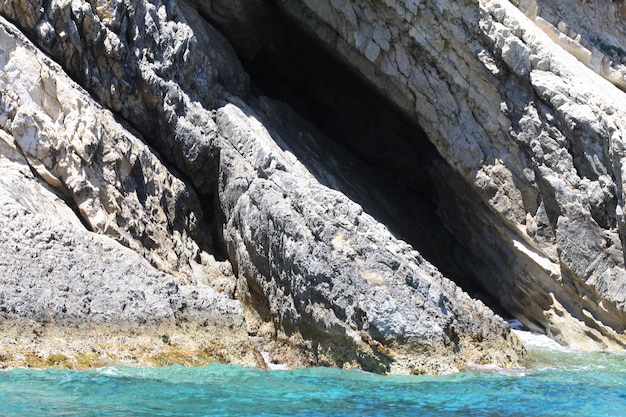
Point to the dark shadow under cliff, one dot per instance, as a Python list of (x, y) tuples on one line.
[(375, 155)]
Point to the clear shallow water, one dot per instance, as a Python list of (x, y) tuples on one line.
[(556, 384)]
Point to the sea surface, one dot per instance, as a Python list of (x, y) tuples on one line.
[(556, 383)]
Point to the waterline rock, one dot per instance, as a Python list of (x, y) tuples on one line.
[(536, 136), (320, 281)]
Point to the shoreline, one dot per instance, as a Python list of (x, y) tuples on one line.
[(33, 345), (30, 344)]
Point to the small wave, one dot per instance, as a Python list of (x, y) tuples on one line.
[(533, 340), (271, 365), (492, 368), (108, 370)]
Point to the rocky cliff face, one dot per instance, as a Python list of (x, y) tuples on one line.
[(592, 32), (277, 224), (536, 135), (69, 169)]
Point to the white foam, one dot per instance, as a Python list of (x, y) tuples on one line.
[(271, 365), (538, 341), (515, 324), (533, 340), (495, 369), (109, 371)]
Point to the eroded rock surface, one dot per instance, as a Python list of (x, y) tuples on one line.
[(63, 155), (528, 180), (321, 281), (537, 135), (119, 186), (313, 263), (73, 294), (54, 270), (596, 37)]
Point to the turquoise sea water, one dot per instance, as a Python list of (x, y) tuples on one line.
[(556, 384)]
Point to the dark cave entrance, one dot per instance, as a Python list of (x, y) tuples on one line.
[(396, 181)]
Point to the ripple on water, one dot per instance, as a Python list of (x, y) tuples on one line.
[(558, 383)]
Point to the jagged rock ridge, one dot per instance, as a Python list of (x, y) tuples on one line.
[(525, 181), (310, 266), (535, 135)]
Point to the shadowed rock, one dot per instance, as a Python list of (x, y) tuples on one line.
[(327, 278)]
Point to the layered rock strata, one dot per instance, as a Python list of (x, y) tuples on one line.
[(67, 292), (320, 281), (536, 134), (529, 180), (596, 37)]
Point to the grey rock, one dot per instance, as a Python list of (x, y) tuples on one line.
[(53, 271), (309, 262), (145, 62), (535, 135), (119, 186), (313, 262), (596, 37)]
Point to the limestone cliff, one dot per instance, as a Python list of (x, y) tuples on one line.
[(593, 32), (68, 168), (537, 136), (278, 224)]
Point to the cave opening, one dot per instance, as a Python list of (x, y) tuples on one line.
[(395, 180)]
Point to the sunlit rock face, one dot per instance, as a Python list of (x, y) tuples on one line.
[(343, 172), (535, 137), (320, 280), (595, 33), (97, 237)]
